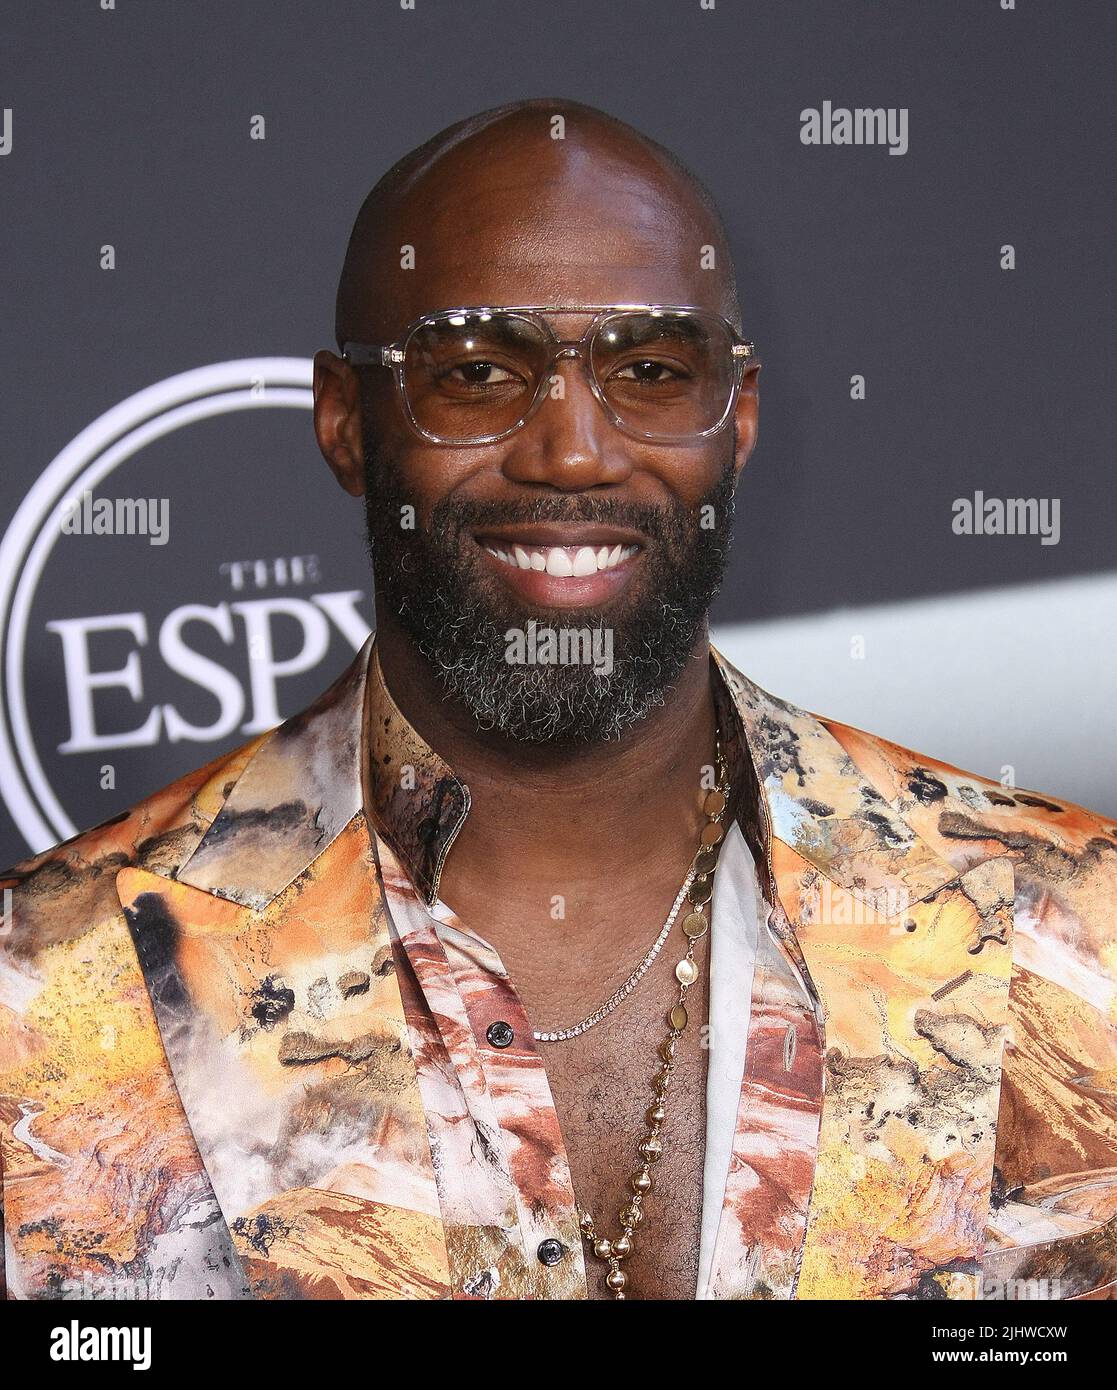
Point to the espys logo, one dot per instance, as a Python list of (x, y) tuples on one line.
[(103, 605)]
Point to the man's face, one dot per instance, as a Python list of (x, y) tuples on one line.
[(568, 523)]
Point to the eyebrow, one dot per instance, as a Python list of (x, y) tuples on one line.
[(675, 327), (507, 330)]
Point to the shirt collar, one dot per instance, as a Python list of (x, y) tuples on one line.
[(298, 786), (354, 749), (412, 794)]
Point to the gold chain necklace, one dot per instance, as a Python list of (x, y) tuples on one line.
[(650, 1148)]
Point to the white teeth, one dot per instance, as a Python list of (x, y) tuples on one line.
[(564, 562)]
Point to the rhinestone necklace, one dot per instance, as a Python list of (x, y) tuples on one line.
[(564, 1034), (577, 1029), (699, 889)]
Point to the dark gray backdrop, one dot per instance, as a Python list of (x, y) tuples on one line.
[(131, 128)]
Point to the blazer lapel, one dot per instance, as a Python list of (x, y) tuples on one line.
[(270, 969), (865, 1137)]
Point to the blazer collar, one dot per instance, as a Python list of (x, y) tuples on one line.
[(291, 801), (354, 749), (818, 802)]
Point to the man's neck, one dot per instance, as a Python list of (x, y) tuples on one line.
[(566, 811)]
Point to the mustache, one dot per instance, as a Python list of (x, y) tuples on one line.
[(461, 514)]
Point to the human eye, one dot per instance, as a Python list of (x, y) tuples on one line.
[(647, 369), (477, 372)]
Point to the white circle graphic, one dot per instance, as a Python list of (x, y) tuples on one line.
[(250, 383)]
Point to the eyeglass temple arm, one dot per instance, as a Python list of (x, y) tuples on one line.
[(368, 355)]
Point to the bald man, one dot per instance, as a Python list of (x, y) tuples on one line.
[(546, 956)]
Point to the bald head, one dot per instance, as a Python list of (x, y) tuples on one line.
[(515, 206)]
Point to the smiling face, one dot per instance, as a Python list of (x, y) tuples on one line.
[(568, 520)]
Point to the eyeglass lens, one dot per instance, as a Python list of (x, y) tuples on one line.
[(666, 374)]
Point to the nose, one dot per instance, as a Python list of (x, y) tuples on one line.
[(568, 443)]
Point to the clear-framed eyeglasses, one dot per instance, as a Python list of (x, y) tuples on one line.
[(666, 373)]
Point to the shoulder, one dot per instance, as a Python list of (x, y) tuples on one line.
[(960, 799), (942, 801), (65, 891), (1064, 855)]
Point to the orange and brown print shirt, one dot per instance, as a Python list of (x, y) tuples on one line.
[(497, 1152), (245, 1049)]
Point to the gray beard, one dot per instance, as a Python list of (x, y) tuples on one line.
[(435, 585)]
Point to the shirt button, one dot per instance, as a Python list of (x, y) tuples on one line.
[(550, 1252), (500, 1034)]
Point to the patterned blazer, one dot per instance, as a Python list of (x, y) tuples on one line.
[(208, 1085)]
